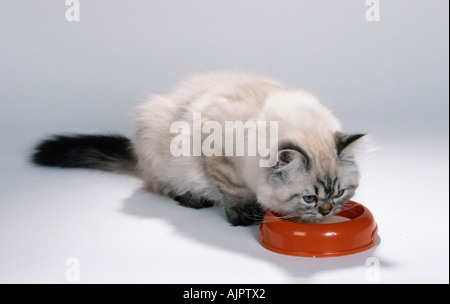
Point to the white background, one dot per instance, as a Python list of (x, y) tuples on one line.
[(387, 78)]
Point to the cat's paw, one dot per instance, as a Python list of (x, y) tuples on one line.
[(245, 215), (191, 201)]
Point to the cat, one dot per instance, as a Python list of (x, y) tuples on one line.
[(314, 174)]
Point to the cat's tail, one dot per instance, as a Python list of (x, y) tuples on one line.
[(103, 152)]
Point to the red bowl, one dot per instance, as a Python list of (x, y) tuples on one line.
[(321, 240)]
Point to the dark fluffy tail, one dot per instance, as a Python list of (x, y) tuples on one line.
[(104, 152)]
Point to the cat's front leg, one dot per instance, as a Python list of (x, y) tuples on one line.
[(243, 213), (238, 199), (192, 201)]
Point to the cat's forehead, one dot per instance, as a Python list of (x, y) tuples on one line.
[(318, 138), (330, 174), (326, 185), (324, 164)]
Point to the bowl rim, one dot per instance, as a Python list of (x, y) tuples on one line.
[(364, 221)]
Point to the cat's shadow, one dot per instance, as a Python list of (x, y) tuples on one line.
[(209, 226)]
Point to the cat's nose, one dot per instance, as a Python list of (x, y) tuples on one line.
[(324, 209)]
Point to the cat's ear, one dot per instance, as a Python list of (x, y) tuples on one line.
[(285, 157), (290, 158), (345, 143), (290, 161)]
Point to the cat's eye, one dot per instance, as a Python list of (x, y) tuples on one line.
[(340, 193), (310, 198)]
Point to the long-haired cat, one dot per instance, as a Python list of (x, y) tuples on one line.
[(313, 176)]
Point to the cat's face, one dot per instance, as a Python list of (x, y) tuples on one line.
[(307, 187)]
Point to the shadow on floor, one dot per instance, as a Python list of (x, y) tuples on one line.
[(210, 226)]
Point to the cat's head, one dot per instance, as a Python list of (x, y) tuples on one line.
[(313, 181)]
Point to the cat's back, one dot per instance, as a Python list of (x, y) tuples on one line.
[(218, 96), (225, 96), (228, 96)]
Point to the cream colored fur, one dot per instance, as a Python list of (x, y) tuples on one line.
[(302, 121)]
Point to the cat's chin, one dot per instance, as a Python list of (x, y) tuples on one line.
[(300, 219), (310, 221), (307, 218)]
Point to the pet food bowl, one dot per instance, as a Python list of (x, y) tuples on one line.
[(321, 240)]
